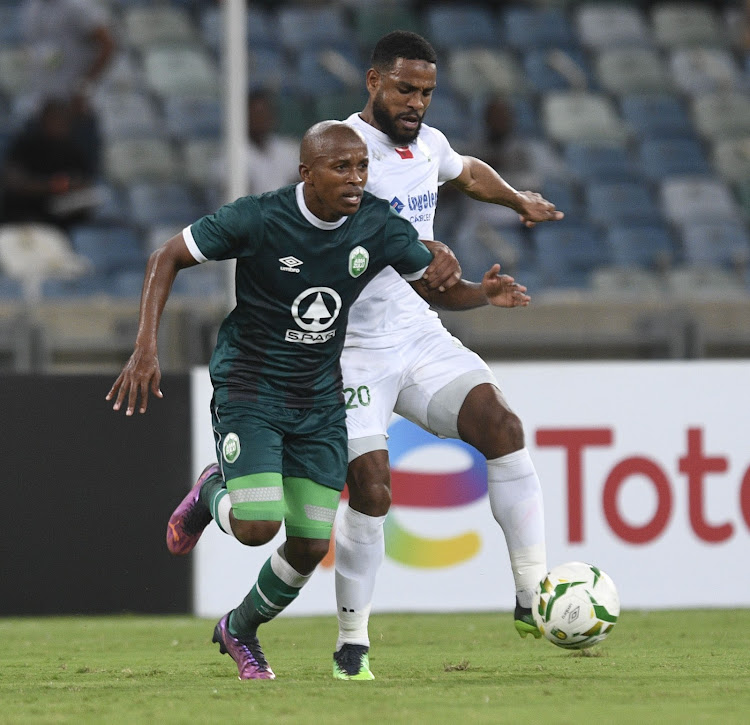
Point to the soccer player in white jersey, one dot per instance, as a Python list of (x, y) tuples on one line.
[(397, 348)]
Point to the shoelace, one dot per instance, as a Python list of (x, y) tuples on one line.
[(252, 648), (349, 658)]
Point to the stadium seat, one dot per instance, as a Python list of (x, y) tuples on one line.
[(678, 24), (567, 252), (124, 75), (147, 26), (262, 28), (190, 117), (10, 23), (302, 27), (128, 160), (584, 116), (205, 280), (565, 194), (13, 70), (446, 113), (330, 69), (479, 244), (642, 245), (373, 21), (127, 283), (697, 199), (113, 208), (203, 160), (662, 157), (128, 113), (457, 26), (72, 288), (731, 158), (654, 115), (621, 202), (633, 70), (109, 248), (484, 70), (602, 161), (719, 243), (703, 70), (339, 105), (295, 113), (538, 27), (722, 115), (270, 68), (181, 71), (603, 25), (553, 70), (10, 289), (164, 203)]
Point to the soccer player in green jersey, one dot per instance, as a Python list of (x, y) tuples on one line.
[(304, 253)]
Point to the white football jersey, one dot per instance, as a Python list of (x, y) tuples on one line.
[(408, 177)]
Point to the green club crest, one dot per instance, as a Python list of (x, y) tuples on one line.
[(231, 447), (359, 258)]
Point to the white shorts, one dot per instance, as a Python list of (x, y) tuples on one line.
[(425, 379)]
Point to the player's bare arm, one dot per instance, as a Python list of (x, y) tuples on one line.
[(498, 290), (141, 374), (444, 270), (480, 181)]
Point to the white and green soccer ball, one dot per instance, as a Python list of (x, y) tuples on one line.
[(576, 605)]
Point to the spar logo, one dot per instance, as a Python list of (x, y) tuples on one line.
[(314, 310), (427, 472)]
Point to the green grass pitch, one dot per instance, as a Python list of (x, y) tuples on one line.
[(656, 667)]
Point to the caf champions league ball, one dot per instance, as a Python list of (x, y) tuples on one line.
[(576, 605)]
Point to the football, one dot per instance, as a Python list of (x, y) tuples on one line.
[(576, 605)]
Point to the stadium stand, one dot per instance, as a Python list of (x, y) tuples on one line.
[(646, 103)]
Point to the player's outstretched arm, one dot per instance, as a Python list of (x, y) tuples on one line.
[(499, 290), (480, 181), (141, 374)]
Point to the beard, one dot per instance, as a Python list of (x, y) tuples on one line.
[(388, 126)]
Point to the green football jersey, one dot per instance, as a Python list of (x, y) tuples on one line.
[(296, 278)]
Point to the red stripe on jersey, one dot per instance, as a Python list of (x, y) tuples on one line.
[(404, 152)]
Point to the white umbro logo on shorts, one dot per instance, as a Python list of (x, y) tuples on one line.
[(290, 264)]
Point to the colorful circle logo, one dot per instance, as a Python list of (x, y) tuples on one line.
[(460, 479)]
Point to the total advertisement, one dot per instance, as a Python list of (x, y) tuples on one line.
[(645, 468)]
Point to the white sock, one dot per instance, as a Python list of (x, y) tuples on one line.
[(220, 507), (516, 501), (360, 550)]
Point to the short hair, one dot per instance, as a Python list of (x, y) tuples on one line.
[(401, 44)]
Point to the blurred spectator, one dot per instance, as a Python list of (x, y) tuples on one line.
[(272, 159), (46, 176), (70, 45)]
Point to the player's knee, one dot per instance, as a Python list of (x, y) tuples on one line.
[(495, 430), (254, 533), (305, 554), (369, 483)]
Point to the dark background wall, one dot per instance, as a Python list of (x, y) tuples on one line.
[(85, 497)]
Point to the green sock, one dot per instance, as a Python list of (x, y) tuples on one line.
[(212, 492), (277, 587)]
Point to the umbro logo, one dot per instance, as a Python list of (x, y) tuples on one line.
[(290, 264)]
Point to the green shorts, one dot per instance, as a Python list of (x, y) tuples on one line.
[(283, 463)]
